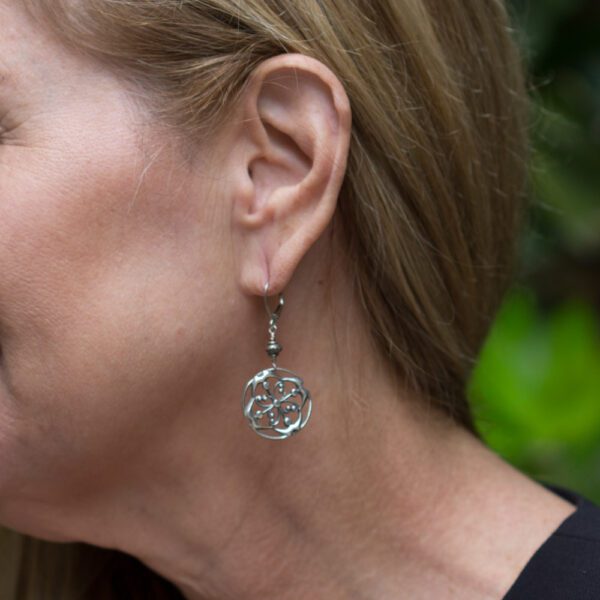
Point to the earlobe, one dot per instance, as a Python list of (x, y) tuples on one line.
[(292, 142)]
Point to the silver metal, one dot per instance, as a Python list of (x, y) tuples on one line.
[(275, 401), (273, 348)]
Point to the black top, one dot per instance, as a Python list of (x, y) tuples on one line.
[(567, 565)]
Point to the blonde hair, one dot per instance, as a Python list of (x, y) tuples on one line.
[(434, 192)]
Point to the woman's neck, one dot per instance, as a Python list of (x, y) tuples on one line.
[(378, 497), (420, 509)]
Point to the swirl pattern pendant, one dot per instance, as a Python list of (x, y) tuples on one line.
[(276, 403)]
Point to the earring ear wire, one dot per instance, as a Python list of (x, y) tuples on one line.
[(276, 395)]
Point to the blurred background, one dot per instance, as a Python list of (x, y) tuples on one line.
[(536, 390)]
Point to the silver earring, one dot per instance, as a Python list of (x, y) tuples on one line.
[(275, 401)]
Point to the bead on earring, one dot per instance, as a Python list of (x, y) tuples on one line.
[(275, 401)]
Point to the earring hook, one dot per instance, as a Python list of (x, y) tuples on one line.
[(273, 314)]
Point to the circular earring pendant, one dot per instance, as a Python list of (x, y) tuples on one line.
[(276, 403)]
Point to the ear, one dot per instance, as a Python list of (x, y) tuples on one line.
[(286, 168)]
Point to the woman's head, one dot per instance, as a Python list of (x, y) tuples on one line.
[(161, 160), (432, 192)]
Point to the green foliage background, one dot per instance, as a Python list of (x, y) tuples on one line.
[(536, 390)]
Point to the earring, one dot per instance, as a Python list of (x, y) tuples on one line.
[(274, 395)]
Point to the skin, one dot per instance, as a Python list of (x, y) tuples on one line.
[(131, 317)]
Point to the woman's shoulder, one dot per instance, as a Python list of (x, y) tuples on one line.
[(567, 564)]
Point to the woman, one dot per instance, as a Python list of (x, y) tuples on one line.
[(168, 169)]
